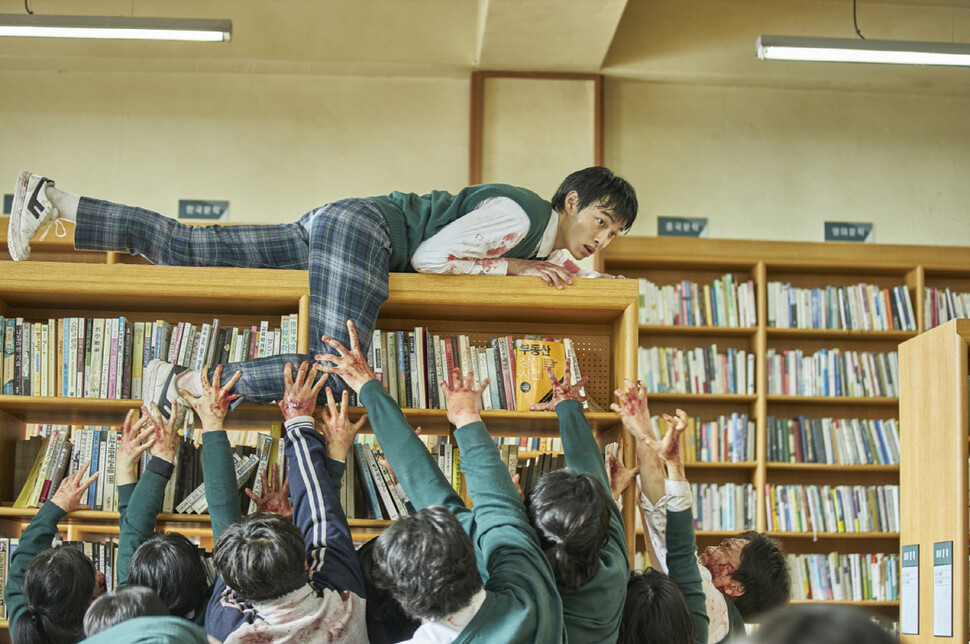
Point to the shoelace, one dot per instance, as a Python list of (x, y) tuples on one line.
[(60, 230)]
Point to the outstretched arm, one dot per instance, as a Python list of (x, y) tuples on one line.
[(635, 414), (218, 472), (418, 474)]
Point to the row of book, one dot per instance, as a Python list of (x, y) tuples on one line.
[(856, 307), (836, 508), (725, 506), (105, 357), (725, 302), (942, 304), (63, 449), (833, 372), (725, 439), (411, 365), (702, 370), (845, 577), (835, 441)]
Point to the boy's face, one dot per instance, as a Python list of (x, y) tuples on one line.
[(587, 231), (722, 560)]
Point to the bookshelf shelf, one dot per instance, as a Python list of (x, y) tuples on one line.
[(900, 269)]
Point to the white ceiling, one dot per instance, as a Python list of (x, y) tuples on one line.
[(683, 41)]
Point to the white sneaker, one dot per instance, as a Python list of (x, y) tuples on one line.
[(158, 384), (31, 210)]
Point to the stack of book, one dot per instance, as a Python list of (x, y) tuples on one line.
[(725, 302), (857, 307), (845, 577), (725, 506), (833, 372), (725, 439), (837, 508), (702, 370), (943, 304), (105, 357), (836, 441)]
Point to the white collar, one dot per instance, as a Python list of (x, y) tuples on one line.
[(548, 236)]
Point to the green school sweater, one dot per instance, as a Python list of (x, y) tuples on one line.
[(151, 630), (522, 604), (413, 218), (682, 567), (607, 589), (35, 538)]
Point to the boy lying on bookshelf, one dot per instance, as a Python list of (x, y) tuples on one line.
[(168, 563), (580, 527), (349, 247), (282, 579), (742, 576), (49, 588), (519, 601)]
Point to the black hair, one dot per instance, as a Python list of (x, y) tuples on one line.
[(427, 562), (597, 185), (170, 565), (655, 610), (764, 573), (386, 620), (820, 624), (58, 585), (262, 557), (123, 604), (571, 514)]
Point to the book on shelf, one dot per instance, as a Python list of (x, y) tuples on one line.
[(845, 577), (835, 441), (725, 302), (533, 358), (837, 508), (728, 438), (725, 506), (702, 370), (82, 357), (943, 304), (832, 372), (855, 307)]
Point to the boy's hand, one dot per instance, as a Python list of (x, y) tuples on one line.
[(275, 498), (668, 448), (561, 391), (634, 411), (135, 438), (213, 405), (350, 365), (464, 403), (300, 395), (336, 426), (620, 476), (551, 274), (72, 488), (166, 440)]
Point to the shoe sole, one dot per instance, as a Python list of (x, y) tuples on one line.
[(158, 391), (17, 252)]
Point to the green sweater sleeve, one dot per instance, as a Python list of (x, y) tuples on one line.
[(682, 564), (410, 459), (138, 523), (36, 538), (219, 475)]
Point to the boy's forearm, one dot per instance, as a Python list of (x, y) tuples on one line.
[(652, 472), (219, 474)]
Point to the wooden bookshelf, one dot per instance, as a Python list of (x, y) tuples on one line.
[(668, 260), (933, 402), (600, 316)]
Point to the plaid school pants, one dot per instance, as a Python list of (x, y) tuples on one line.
[(345, 246)]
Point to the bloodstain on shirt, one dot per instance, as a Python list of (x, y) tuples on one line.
[(571, 266)]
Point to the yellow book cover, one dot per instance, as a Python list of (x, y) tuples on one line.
[(25, 493), (532, 384)]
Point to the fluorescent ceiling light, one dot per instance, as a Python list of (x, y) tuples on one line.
[(850, 50), (115, 27)]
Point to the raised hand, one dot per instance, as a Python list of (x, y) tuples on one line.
[(464, 402), (565, 390), (165, 443), (213, 405), (620, 476), (300, 395), (276, 498), (336, 426), (136, 437), (350, 365), (72, 488), (634, 411), (668, 448)]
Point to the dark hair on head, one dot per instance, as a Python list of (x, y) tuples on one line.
[(262, 557), (123, 604), (170, 565), (386, 620), (656, 610), (427, 562), (571, 513), (597, 185), (58, 585), (764, 573), (820, 624)]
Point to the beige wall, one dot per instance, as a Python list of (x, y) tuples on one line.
[(766, 163)]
